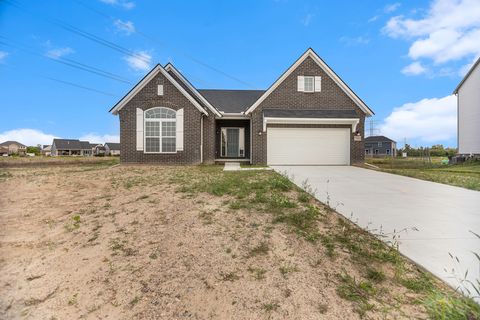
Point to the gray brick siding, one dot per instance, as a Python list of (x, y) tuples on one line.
[(287, 96), (147, 98)]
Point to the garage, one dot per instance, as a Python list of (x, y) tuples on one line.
[(308, 146)]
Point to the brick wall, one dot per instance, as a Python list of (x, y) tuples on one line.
[(287, 96), (147, 98)]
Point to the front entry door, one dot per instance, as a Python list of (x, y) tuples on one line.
[(233, 142)]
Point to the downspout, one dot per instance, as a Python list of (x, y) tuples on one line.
[(251, 140)]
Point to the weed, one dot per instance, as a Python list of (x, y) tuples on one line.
[(261, 249), (153, 256), (258, 273), (285, 270), (73, 300), (444, 306), (207, 217), (422, 283), (323, 308), (230, 276), (271, 306), (357, 292), (134, 301), (375, 275), (329, 244), (228, 250), (303, 222), (303, 197)]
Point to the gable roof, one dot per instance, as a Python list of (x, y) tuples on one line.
[(310, 53), (191, 89), (142, 83), (231, 101), (467, 75), (67, 144), (113, 145), (378, 138), (7, 143)]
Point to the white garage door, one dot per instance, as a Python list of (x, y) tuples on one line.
[(308, 146)]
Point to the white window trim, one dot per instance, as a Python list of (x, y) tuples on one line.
[(348, 121), (160, 120)]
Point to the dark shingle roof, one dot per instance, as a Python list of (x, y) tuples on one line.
[(309, 113), (378, 139), (73, 144), (7, 143), (231, 101), (113, 145)]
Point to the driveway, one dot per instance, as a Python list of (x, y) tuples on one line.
[(444, 215)]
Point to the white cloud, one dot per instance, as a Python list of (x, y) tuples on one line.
[(448, 31), (3, 55), (121, 3), (140, 61), (29, 137), (307, 19), (98, 138), (413, 69), (389, 8), (426, 121), (126, 27), (59, 52), (355, 40), (374, 18)]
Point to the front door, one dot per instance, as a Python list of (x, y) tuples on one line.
[(232, 140)]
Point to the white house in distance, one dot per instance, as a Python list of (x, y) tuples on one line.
[(468, 111)]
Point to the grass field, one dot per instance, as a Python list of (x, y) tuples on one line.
[(466, 175), (37, 161), (134, 242)]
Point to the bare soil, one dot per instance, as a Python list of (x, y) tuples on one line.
[(107, 243)]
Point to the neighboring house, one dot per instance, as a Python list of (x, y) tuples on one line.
[(13, 147), (380, 146), (100, 150), (468, 111), (46, 150), (308, 116), (72, 147), (112, 149)]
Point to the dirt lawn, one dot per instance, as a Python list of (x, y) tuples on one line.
[(123, 242)]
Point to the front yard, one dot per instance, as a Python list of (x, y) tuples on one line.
[(465, 175), (96, 241)]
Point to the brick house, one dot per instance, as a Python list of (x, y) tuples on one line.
[(308, 116)]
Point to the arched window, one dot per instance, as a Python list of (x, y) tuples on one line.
[(160, 130)]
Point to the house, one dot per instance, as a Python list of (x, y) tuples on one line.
[(380, 146), (468, 112), (72, 147), (46, 150), (308, 116), (112, 149), (99, 150), (12, 147)]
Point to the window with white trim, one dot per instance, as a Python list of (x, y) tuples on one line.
[(309, 84), (160, 130), (379, 144)]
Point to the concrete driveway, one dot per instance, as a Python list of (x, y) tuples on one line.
[(444, 215)]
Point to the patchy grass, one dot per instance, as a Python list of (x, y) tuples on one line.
[(444, 306), (359, 292), (261, 249), (466, 175)]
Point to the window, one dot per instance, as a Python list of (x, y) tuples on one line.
[(379, 144), (388, 151), (376, 151), (309, 84), (160, 130), (367, 151)]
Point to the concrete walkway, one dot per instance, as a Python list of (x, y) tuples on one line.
[(444, 215)]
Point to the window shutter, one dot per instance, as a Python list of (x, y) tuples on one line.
[(318, 84), (300, 84), (139, 129), (241, 142), (179, 133)]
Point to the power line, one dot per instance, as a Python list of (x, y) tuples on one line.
[(69, 62), (72, 84), (156, 41)]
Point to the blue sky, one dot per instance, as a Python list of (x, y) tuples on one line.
[(402, 58)]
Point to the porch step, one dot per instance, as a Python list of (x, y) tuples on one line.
[(232, 166)]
